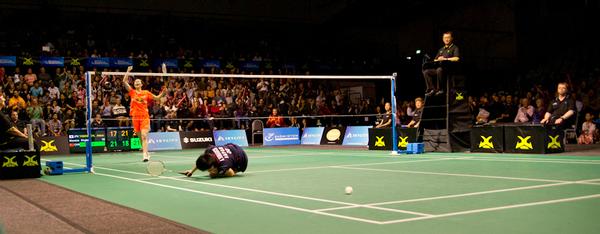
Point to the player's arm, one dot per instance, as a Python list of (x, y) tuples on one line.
[(164, 91), (15, 132), (190, 172), (126, 79)]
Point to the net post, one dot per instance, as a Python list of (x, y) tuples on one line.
[(393, 103), (30, 136), (88, 146)]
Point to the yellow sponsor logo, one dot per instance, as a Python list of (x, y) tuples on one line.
[(524, 143), (75, 62), (403, 142), (30, 162), (28, 61), (459, 96), (144, 63), (379, 142), (48, 146), (10, 162), (554, 144), (486, 143)]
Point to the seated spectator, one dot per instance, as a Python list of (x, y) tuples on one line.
[(540, 110), (588, 130), (36, 90), (36, 116), (483, 116), (275, 120), (97, 122), (525, 112), (55, 126), (21, 125), (416, 119), (386, 122), (173, 125), (16, 102), (119, 112)]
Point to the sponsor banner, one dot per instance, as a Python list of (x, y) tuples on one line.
[(163, 141), (8, 61), (121, 62), (312, 136), (333, 136), (281, 136), (191, 140), (381, 138), (237, 137), (52, 61), (53, 145), (250, 66), (170, 63), (75, 62), (211, 63), (98, 62), (356, 135), (533, 139), (289, 66), (489, 139), (22, 164)]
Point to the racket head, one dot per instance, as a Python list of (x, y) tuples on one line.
[(155, 168)]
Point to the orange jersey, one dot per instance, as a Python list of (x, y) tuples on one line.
[(139, 102)]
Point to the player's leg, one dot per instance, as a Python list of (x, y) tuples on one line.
[(145, 130)]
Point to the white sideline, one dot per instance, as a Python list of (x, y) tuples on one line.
[(450, 174), (494, 209)]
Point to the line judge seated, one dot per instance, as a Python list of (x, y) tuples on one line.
[(561, 109), (414, 123), (449, 52), (12, 138), (386, 122)]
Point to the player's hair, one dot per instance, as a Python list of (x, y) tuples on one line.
[(205, 161)]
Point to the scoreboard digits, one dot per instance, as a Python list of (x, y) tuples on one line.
[(104, 139), (121, 139)]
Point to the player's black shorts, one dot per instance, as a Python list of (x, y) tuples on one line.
[(241, 159)]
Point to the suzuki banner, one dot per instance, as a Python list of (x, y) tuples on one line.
[(192, 140), (281, 136)]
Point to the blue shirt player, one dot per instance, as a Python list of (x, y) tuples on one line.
[(221, 161)]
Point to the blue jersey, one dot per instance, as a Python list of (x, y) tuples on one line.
[(229, 156)]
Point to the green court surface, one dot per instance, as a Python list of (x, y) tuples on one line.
[(301, 190)]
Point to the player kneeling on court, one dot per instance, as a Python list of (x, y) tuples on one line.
[(221, 161)]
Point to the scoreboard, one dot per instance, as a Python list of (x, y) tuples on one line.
[(121, 139), (78, 138)]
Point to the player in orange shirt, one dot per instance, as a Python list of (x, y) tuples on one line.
[(139, 109)]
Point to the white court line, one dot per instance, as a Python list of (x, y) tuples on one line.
[(450, 174), (531, 160), (524, 158), (463, 194), (494, 209), (361, 164), (245, 199), (263, 191)]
